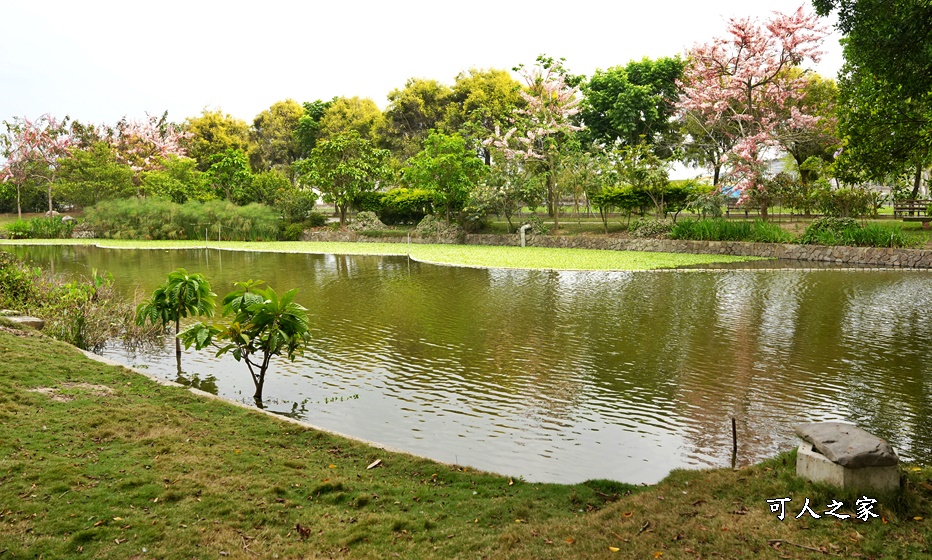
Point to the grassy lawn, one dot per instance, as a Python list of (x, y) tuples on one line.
[(465, 255), (99, 462)]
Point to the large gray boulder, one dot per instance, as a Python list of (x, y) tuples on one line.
[(847, 445)]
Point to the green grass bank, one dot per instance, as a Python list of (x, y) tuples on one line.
[(97, 461)]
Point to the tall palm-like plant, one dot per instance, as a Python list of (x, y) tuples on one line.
[(181, 295)]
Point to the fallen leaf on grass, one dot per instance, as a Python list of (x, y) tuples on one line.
[(917, 518), (570, 540), (332, 466), (614, 548), (628, 513), (658, 554), (374, 464)]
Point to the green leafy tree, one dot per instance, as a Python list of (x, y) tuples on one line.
[(447, 168), (212, 133), (886, 135), (229, 175), (182, 295), (275, 142), (506, 187), (481, 101), (258, 325), (889, 40), (885, 109), (634, 104), (93, 174), (350, 113), (412, 113), (639, 167), (177, 180), (308, 131), (263, 188), (343, 167)]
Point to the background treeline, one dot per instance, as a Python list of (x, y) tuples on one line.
[(765, 131)]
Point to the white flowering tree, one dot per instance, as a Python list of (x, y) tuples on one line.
[(541, 127)]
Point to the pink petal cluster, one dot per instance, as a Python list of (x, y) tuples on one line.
[(142, 144)]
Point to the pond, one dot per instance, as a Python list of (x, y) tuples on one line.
[(568, 376)]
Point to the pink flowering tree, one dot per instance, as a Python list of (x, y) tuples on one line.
[(145, 144), (32, 150), (740, 86), (541, 127)]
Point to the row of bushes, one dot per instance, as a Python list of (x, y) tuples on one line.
[(397, 206), (217, 219), (41, 228), (822, 231)]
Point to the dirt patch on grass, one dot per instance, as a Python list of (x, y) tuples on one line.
[(69, 391), (18, 331)]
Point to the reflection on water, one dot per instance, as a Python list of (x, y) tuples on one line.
[(566, 376)]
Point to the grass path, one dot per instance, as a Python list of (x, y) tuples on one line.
[(458, 255)]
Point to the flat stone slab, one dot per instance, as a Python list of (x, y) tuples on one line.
[(847, 445), (813, 466), (33, 322)]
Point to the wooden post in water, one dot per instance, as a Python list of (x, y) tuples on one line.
[(734, 443)]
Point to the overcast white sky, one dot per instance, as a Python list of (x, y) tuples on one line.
[(98, 60)]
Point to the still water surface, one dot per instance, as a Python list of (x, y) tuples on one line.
[(567, 376)]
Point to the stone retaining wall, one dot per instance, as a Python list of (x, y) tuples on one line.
[(875, 256)]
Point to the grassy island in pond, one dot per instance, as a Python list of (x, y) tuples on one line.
[(458, 255), (99, 462)]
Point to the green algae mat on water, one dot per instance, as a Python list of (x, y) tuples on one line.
[(457, 255)]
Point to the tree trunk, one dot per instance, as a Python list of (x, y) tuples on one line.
[(917, 182), (19, 206), (177, 345)]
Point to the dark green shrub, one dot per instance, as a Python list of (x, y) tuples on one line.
[(847, 202), (727, 230), (846, 231), (648, 227), (368, 201), (17, 282), (41, 228), (405, 206)]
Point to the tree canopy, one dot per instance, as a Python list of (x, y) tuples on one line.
[(634, 104)]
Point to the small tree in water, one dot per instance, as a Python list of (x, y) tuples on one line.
[(182, 295), (257, 325)]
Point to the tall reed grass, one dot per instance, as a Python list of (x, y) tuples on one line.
[(157, 219)]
